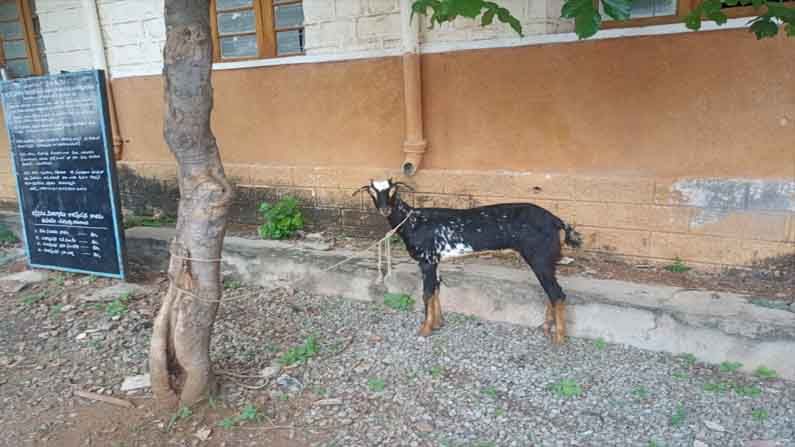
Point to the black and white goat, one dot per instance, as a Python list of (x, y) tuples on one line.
[(432, 235)]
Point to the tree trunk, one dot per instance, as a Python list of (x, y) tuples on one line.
[(179, 356)]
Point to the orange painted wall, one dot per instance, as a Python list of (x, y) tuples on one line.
[(699, 104)]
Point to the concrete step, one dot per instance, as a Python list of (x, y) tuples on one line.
[(714, 326)]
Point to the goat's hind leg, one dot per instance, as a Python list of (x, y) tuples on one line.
[(555, 315)]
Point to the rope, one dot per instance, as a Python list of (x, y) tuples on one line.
[(355, 255)]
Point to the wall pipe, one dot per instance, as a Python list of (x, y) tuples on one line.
[(414, 143), (100, 62)]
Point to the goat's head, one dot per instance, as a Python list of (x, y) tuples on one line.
[(384, 194)]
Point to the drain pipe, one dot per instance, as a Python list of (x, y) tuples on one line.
[(100, 62), (414, 143)]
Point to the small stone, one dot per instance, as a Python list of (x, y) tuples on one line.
[(698, 443), (81, 336), (566, 261), (328, 402), (136, 382), (203, 433), (270, 371), (714, 426), (289, 383), (424, 427)]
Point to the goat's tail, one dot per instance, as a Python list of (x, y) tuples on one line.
[(573, 238)]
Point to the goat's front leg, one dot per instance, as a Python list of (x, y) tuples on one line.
[(560, 321), (429, 296)]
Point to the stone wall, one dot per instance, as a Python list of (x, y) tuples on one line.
[(704, 222)]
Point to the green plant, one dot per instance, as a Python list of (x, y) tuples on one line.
[(688, 358), (748, 391), (59, 279), (727, 367), (250, 413), (92, 279), (376, 385), (766, 373), (600, 343), (759, 414), (301, 353), (677, 267), (232, 284), (640, 392), (399, 301), (680, 375), (212, 401), (567, 388), (181, 414), (227, 423), (587, 15), (55, 310), (490, 391), (679, 416), (437, 371), (718, 387), (33, 298), (7, 236), (282, 219), (117, 307)]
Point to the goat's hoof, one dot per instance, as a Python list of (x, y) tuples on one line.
[(559, 339), (425, 330)]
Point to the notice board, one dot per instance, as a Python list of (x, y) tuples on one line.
[(65, 173)]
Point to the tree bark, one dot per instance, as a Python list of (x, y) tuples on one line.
[(179, 357)]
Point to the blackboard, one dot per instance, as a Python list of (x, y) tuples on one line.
[(65, 172)]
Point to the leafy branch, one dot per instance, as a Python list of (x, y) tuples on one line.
[(447, 11), (588, 18)]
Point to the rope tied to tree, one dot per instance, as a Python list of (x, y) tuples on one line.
[(355, 255)]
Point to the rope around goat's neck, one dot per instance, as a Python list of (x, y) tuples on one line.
[(355, 255)]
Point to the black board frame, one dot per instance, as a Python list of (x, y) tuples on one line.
[(110, 170)]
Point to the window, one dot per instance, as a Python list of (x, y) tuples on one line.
[(653, 12), (252, 29), (19, 51)]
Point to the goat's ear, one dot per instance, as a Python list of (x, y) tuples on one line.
[(360, 190)]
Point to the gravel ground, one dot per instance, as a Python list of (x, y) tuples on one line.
[(371, 381), (479, 383)]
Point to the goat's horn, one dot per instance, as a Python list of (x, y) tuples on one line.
[(404, 185), (359, 191)]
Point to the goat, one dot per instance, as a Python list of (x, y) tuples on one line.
[(432, 235)]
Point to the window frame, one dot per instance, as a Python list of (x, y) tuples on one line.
[(25, 18), (683, 8), (264, 27)]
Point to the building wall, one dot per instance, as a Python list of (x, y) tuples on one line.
[(656, 147)]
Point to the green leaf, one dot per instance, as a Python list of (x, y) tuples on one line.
[(764, 27), (587, 23), (570, 9), (487, 18), (467, 8), (790, 30), (731, 2), (693, 20), (758, 3), (586, 19), (618, 9)]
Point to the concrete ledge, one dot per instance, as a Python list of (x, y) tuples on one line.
[(713, 326)]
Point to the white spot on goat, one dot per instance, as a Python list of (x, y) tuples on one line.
[(381, 185), (447, 246)]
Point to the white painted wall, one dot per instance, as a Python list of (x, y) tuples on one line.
[(134, 32)]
